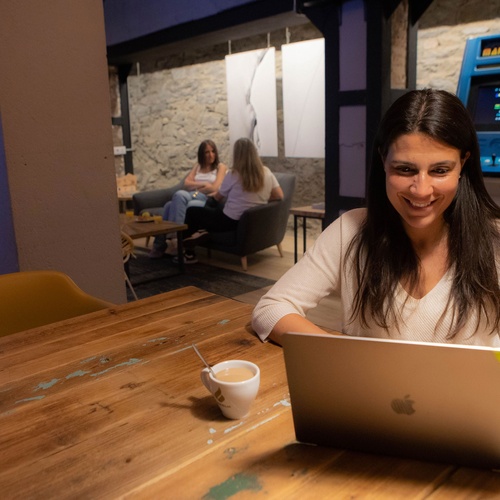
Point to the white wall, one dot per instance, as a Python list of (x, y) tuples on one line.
[(55, 108)]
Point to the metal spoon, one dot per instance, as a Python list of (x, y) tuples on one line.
[(203, 359)]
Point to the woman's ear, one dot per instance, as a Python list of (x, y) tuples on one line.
[(464, 159), (382, 158)]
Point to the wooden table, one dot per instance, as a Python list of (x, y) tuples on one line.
[(307, 212), (147, 229), (111, 405)]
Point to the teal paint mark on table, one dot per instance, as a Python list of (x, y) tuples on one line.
[(78, 373), (130, 362), (46, 385), (36, 398), (233, 485)]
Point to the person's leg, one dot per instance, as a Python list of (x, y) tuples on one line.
[(207, 219), (172, 238), (195, 203), (180, 202), (200, 218), (171, 246), (175, 211), (160, 241), (196, 217), (212, 219), (202, 221), (166, 210)]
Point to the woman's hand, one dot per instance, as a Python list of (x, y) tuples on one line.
[(205, 189), (189, 183)]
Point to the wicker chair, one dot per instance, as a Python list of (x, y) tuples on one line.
[(127, 252)]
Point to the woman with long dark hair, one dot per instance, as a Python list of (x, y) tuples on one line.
[(422, 260)]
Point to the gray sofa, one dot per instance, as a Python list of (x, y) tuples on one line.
[(153, 201), (260, 227)]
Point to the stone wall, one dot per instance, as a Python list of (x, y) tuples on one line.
[(179, 100), (443, 31)]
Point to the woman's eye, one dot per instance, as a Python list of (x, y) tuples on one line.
[(440, 171), (405, 170)]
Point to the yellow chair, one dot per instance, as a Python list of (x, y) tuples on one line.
[(35, 298)]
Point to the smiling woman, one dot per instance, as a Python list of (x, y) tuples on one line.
[(422, 261), (422, 176)]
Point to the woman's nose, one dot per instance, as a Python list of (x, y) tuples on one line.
[(421, 185)]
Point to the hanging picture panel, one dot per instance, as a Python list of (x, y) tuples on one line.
[(304, 98), (251, 99)]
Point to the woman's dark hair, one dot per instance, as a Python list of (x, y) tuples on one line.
[(201, 153), (383, 253)]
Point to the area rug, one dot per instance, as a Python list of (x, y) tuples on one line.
[(153, 276)]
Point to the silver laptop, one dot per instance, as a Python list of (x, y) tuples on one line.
[(437, 402)]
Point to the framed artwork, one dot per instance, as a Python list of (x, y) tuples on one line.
[(251, 99), (304, 98)]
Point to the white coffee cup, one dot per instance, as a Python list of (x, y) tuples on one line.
[(233, 395)]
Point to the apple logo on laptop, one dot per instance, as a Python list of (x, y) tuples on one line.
[(404, 406)]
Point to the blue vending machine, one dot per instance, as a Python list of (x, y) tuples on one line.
[(479, 90)]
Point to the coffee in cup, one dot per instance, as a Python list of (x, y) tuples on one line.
[(234, 374), (234, 385)]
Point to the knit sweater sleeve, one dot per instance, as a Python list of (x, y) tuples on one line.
[(317, 274)]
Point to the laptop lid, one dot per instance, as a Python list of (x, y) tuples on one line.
[(437, 402)]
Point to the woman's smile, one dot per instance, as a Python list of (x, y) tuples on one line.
[(420, 206)]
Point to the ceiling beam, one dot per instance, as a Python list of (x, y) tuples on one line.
[(248, 20)]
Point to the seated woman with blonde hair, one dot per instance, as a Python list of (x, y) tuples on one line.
[(247, 184)]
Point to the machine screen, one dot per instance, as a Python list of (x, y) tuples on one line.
[(479, 90), (486, 108)]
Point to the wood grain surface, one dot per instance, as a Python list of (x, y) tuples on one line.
[(110, 405)]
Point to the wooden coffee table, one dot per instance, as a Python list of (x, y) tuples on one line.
[(137, 230)]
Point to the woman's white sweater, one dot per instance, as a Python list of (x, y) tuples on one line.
[(321, 271)]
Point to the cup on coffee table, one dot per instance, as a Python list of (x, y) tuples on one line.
[(234, 386)]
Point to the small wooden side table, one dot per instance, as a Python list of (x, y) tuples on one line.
[(306, 212), (122, 201)]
